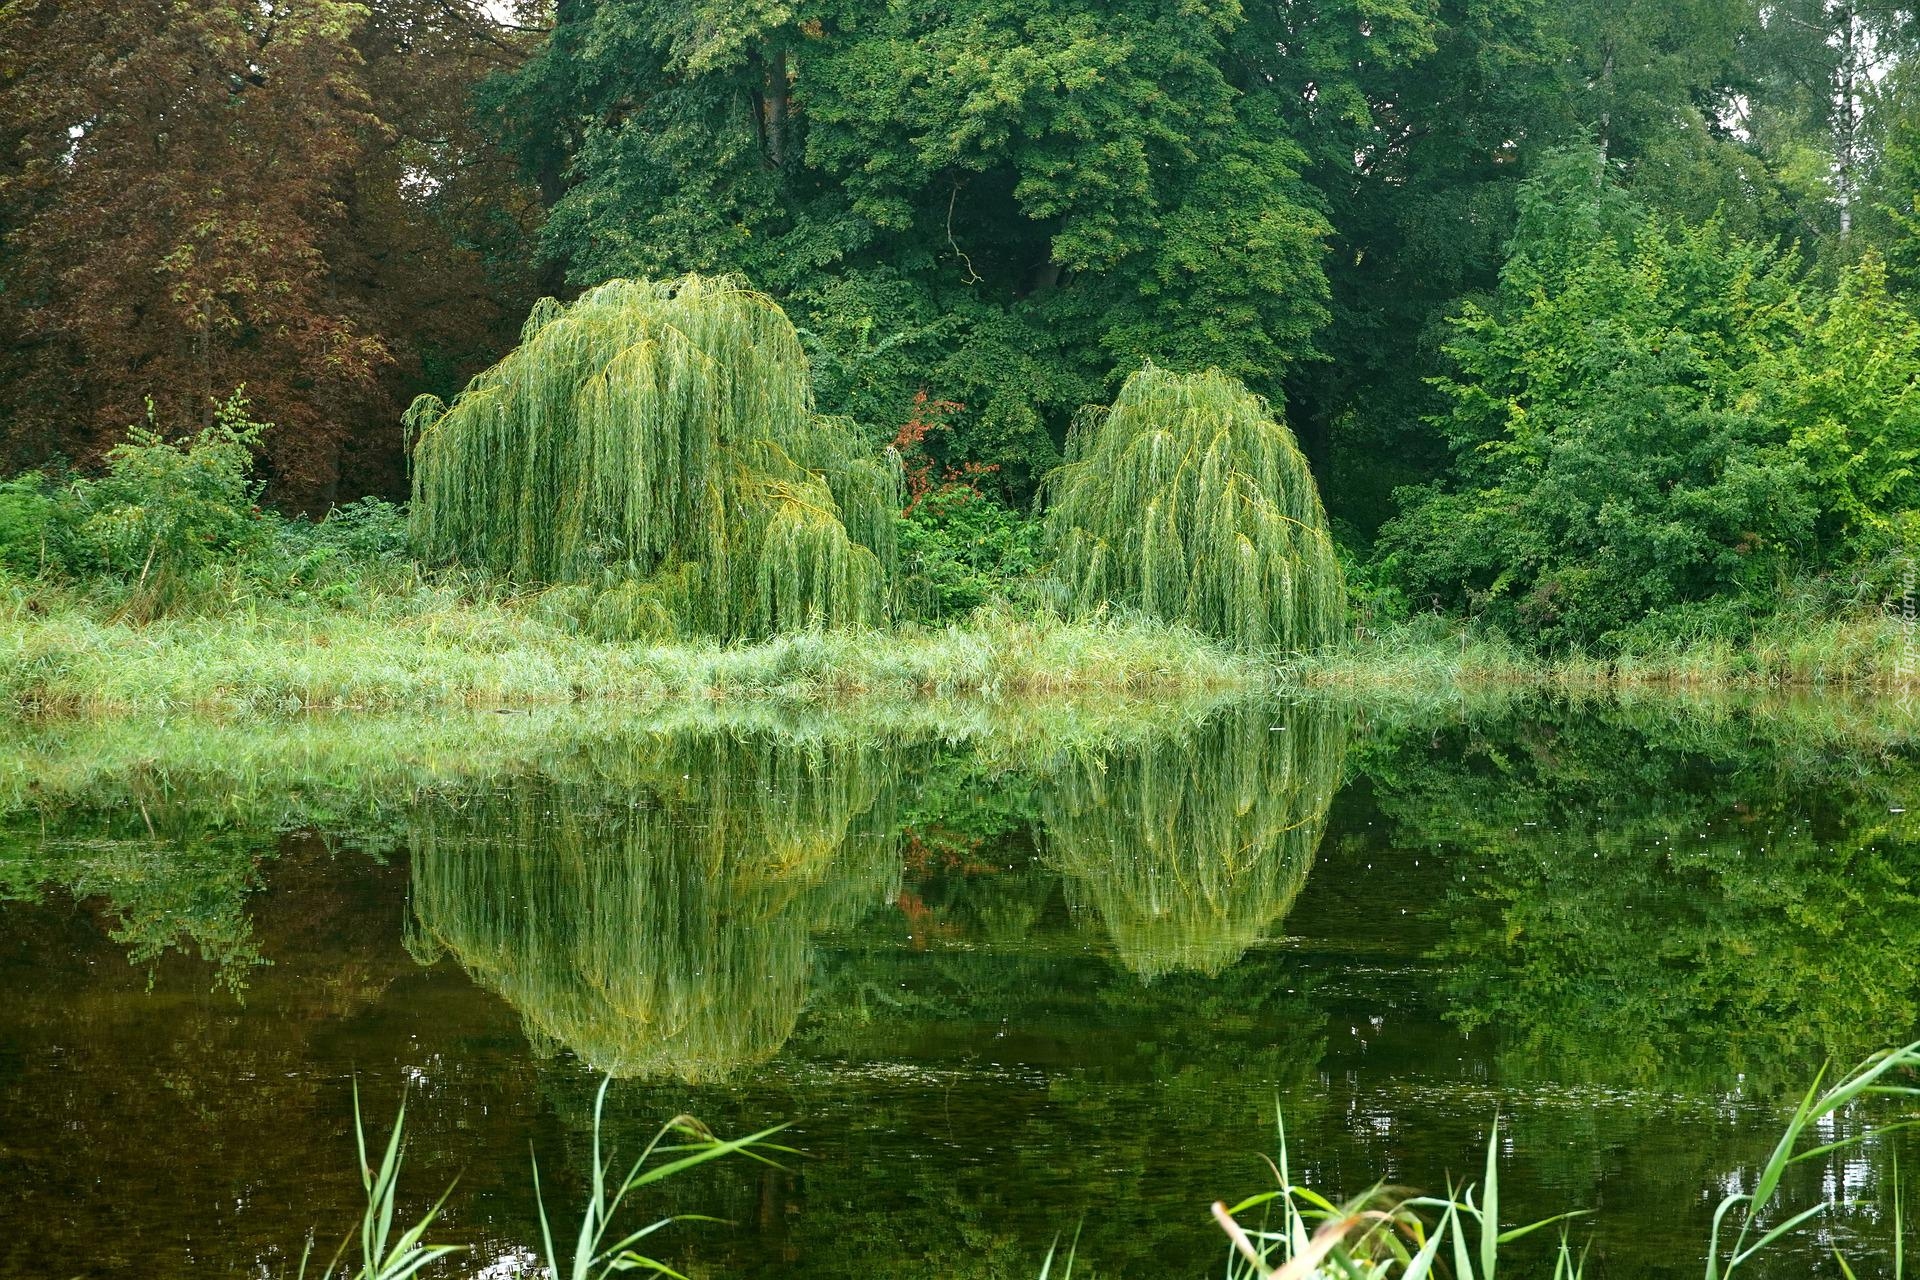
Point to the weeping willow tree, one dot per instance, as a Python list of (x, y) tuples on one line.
[(1191, 847), (655, 444), (1188, 501), (649, 906)]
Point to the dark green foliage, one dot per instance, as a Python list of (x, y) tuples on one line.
[(171, 525), (1658, 427), (344, 560), (1641, 893), (1001, 203), (1597, 310), (36, 526)]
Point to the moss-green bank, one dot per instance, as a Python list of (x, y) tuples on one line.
[(499, 655), (444, 648)]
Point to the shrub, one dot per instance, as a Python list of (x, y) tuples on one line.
[(1614, 455), (165, 511), (37, 535), (960, 549)]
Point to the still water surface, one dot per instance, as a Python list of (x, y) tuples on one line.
[(1004, 983)]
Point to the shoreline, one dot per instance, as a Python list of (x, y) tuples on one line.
[(494, 655)]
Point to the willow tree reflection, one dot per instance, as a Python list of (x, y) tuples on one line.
[(647, 903), (1190, 847)]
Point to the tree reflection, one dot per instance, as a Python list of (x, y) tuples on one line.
[(1638, 897), (648, 903), (1189, 848)]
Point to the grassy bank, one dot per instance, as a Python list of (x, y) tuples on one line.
[(443, 647), (442, 650), (377, 634), (1434, 655)]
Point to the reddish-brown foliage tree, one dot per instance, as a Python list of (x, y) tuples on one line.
[(205, 193)]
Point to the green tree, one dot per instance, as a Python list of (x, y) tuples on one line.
[(657, 442), (998, 203), (1847, 395), (1188, 502), (1612, 458)]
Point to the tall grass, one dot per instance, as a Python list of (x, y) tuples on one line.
[(1379, 1236), (597, 1250), (1432, 654), (384, 1255), (591, 1256)]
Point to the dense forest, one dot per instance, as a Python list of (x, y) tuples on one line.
[(1595, 319)]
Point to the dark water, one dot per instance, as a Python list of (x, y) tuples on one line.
[(1004, 985)]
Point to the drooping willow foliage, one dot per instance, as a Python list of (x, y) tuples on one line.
[(656, 443), (1190, 848), (650, 907), (1188, 501)]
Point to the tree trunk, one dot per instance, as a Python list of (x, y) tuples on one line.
[(775, 126)]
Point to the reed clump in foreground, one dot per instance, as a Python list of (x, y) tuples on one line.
[(1378, 1236), (1373, 1236)]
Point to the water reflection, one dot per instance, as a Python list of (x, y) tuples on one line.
[(648, 904), (1634, 896), (1191, 847), (999, 982)]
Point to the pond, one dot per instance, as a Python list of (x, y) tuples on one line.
[(1007, 979)]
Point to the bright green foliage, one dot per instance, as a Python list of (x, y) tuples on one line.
[(1190, 848), (164, 510), (658, 441), (1187, 501), (1848, 398), (959, 549), (162, 520), (1613, 458)]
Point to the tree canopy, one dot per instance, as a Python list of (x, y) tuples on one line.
[(1592, 318)]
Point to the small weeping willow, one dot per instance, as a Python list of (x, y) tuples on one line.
[(650, 905), (1186, 500), (1191, 848), (656, 443)]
